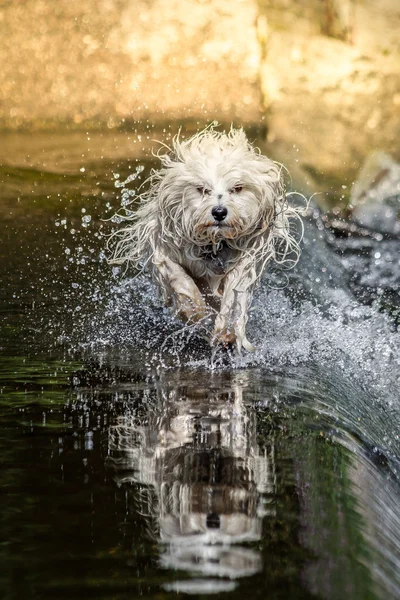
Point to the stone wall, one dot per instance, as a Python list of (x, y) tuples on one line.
[(331, 84), (324, 75), (108, 61)]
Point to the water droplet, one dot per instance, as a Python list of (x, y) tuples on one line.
[(86, 220)]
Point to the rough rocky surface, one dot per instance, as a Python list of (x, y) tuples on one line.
[(331, 85), (324, 75), (376, 195), (107, 61)]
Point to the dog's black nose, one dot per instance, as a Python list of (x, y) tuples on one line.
[(213, 521), (219, 213)]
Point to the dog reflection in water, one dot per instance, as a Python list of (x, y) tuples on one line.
[(208, 484)]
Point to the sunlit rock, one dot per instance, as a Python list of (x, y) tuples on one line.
[(330, 83), (376, 195), (105, 62)]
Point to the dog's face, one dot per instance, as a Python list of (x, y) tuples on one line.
[(220, 202), (218, 187)]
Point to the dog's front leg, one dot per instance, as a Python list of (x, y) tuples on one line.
[(230, 323), (179, 289)]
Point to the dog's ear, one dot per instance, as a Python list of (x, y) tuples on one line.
[(173, 155), (166, 159), (268, 218)]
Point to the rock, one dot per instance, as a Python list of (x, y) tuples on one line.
[(331, 85), (106, 62), (321, 76), (375, 195)]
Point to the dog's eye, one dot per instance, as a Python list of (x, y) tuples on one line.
[(236, 189), (203, 191)]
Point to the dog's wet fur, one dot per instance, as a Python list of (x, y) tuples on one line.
[(214, 215)]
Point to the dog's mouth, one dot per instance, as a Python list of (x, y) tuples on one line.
[(219, 224), (218, 230), (221, 227), (215, 226), (221, 231)]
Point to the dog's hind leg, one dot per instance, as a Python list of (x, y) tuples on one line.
[(179, 289)]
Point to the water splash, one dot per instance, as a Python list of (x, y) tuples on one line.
[(316, 318)]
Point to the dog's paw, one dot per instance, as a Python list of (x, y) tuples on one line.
[(189, 310), (248, 346), (228, 339), (225, 337)]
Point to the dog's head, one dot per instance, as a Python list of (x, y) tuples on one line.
[(216, 186)]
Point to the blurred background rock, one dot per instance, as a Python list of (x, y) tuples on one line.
[(318, 80)]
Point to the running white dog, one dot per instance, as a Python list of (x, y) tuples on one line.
[(214, 215)]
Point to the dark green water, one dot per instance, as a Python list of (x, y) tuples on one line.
[(131, 465)]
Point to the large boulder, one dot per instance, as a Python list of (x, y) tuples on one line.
[(331, 85), (375, 196)]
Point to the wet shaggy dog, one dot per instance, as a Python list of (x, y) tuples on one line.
[(214, 215)]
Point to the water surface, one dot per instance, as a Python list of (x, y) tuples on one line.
[(134, 463)]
